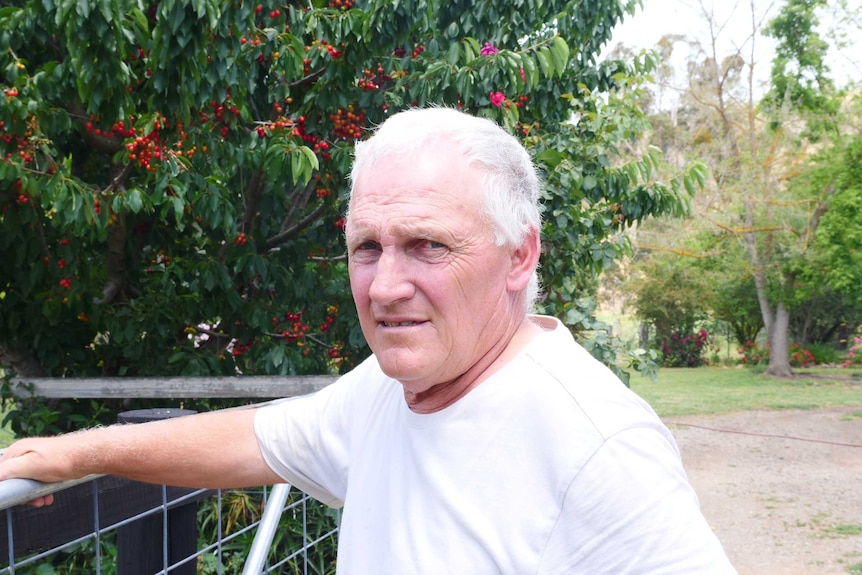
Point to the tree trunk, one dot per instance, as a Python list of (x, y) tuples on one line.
[(779, 344), (777, 323)]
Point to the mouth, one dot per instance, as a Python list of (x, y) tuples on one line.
[(399, 323)]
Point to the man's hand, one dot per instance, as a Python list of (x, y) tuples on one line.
[(42, 459)]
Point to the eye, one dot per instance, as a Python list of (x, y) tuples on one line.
[(429, 245), (364, 248), (430, 249), (368, 245)]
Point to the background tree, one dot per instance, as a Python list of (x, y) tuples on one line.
[(174, 173), (754, 150), (832, 272), (671, 295)]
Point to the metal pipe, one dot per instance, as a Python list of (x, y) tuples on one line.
[(256, 560), (17, 491)]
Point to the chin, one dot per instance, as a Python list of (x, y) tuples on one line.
[(397, 368)]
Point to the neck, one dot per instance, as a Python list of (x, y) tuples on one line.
[(445, 394)]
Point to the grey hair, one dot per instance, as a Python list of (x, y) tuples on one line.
[(511, 183)]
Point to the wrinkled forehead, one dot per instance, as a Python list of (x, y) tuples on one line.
[(437, 186), (431, 166), (405, 151)]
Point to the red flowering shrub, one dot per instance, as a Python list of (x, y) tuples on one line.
[(752, 354), (857, 348), (685, 350)]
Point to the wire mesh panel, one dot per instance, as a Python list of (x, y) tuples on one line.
[(100, 528), (306, 539)]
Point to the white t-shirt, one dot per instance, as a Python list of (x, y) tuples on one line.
[(549, 466)]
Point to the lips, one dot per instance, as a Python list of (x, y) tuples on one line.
[(399, 323)]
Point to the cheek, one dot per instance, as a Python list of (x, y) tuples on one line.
[(359, 283)]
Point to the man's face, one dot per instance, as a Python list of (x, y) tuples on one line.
[(429, 284)]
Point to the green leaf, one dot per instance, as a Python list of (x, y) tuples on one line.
[(452, 56), (559, 56), (562, 48), (543, 54), (134, 200), (530, 70), (689, 185), (179, 207), (471, 49), (311, 164), (551, 157)]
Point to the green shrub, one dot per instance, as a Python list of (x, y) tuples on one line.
[(823, 353)]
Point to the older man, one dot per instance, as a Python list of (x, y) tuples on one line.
[(478, 438)]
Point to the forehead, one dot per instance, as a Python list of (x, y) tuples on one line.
[(437, 185)]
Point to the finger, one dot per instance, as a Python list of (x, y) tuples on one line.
[(26, 465), (42, 501), (10, 468)]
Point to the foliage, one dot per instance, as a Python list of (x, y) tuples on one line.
[(825, 316), (685, 349), (174, 173), (855, 350), (724, 266), (607, 348), (736, 303), (822, 353), (752, 354), (826, 276), (800, 75), (299, 524), (801, 357), (671, 294), (755, 152), (29, 415), (78, 559), (837, 258)]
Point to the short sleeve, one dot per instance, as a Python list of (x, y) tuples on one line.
[(305, 440)]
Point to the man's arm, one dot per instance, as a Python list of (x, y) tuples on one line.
[(212, 450)]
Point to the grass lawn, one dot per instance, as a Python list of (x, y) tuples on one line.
[(705, 390)]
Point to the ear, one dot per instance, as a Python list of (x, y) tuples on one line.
[(524, 260)]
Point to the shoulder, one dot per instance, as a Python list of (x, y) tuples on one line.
[(573, 379), (364, 384)]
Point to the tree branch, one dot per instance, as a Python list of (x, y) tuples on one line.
[(252, 195), (116, 281), (294, 231)]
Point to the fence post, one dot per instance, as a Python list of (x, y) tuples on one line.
[(140, 544)]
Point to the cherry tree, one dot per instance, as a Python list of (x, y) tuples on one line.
[(174, 173)]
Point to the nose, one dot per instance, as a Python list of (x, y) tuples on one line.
[(393, 279)]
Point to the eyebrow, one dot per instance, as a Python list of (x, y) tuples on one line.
[(418, 227)]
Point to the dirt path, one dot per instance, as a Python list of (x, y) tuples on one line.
[(780, 506)]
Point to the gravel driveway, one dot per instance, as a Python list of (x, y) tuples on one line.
[(781, 489)]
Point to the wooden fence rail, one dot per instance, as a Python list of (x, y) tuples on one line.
[(262, 387)]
